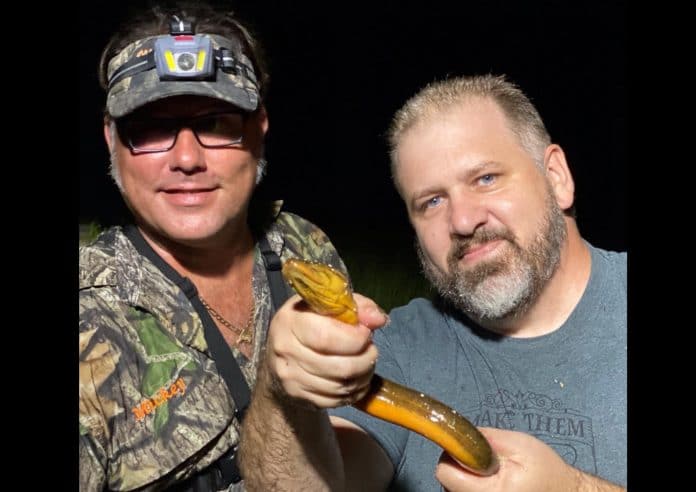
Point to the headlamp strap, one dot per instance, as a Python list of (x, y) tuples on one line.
[(227, 62), (132, 67)]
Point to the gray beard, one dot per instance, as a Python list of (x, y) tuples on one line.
[(504, 287)]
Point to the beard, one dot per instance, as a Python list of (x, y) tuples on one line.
[(507, 285)]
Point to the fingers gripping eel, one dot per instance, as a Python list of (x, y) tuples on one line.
[(328, 292)]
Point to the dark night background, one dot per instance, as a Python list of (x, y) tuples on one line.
[(339, 70)]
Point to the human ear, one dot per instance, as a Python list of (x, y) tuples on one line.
[(108, 134), (559, 176)]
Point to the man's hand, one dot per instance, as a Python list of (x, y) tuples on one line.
[(321, 360), (312, 362), (526, 465)]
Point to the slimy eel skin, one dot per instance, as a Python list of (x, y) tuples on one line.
[(328, 292)]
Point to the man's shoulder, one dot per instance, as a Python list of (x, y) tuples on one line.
[(304, 239), (416, 322), (291, 223), (616, 261), (97, 260), (416, 308), (609, 255), (112, 261)]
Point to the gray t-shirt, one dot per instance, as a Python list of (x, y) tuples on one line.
[(567, 388)]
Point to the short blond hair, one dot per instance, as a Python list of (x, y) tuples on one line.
[(441, 96)]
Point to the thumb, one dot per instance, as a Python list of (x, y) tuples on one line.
[(369, 313), (504, 442), (454, 477)]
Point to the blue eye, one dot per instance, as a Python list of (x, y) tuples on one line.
[(487, 179), (433, 202)]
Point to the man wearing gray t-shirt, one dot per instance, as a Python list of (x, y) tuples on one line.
[(527, 337)]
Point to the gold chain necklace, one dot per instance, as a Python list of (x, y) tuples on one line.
[(245, 336)]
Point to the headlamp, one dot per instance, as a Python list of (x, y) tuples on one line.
[(183, 55)]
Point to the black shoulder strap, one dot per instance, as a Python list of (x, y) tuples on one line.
[(222, 355), (279, 289), (225, 470)]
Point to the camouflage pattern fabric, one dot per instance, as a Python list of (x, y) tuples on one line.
[(153, 410)]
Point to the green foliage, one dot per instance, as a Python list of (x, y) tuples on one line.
[(386, 270), (389, 285), (89, 232)]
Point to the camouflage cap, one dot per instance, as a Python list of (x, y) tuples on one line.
[(127, 93)]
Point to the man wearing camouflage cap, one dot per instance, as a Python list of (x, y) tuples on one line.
[(174, 308)]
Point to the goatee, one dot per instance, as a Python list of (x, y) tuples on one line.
[(507, 285)]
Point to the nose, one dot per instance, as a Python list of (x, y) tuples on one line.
[(466, 214), (187, 154)]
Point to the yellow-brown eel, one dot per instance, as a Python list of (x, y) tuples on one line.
[(328, 292)]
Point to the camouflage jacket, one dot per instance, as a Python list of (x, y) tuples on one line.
[(153, 408)]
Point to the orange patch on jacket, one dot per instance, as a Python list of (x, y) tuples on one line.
[(146, 407)]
